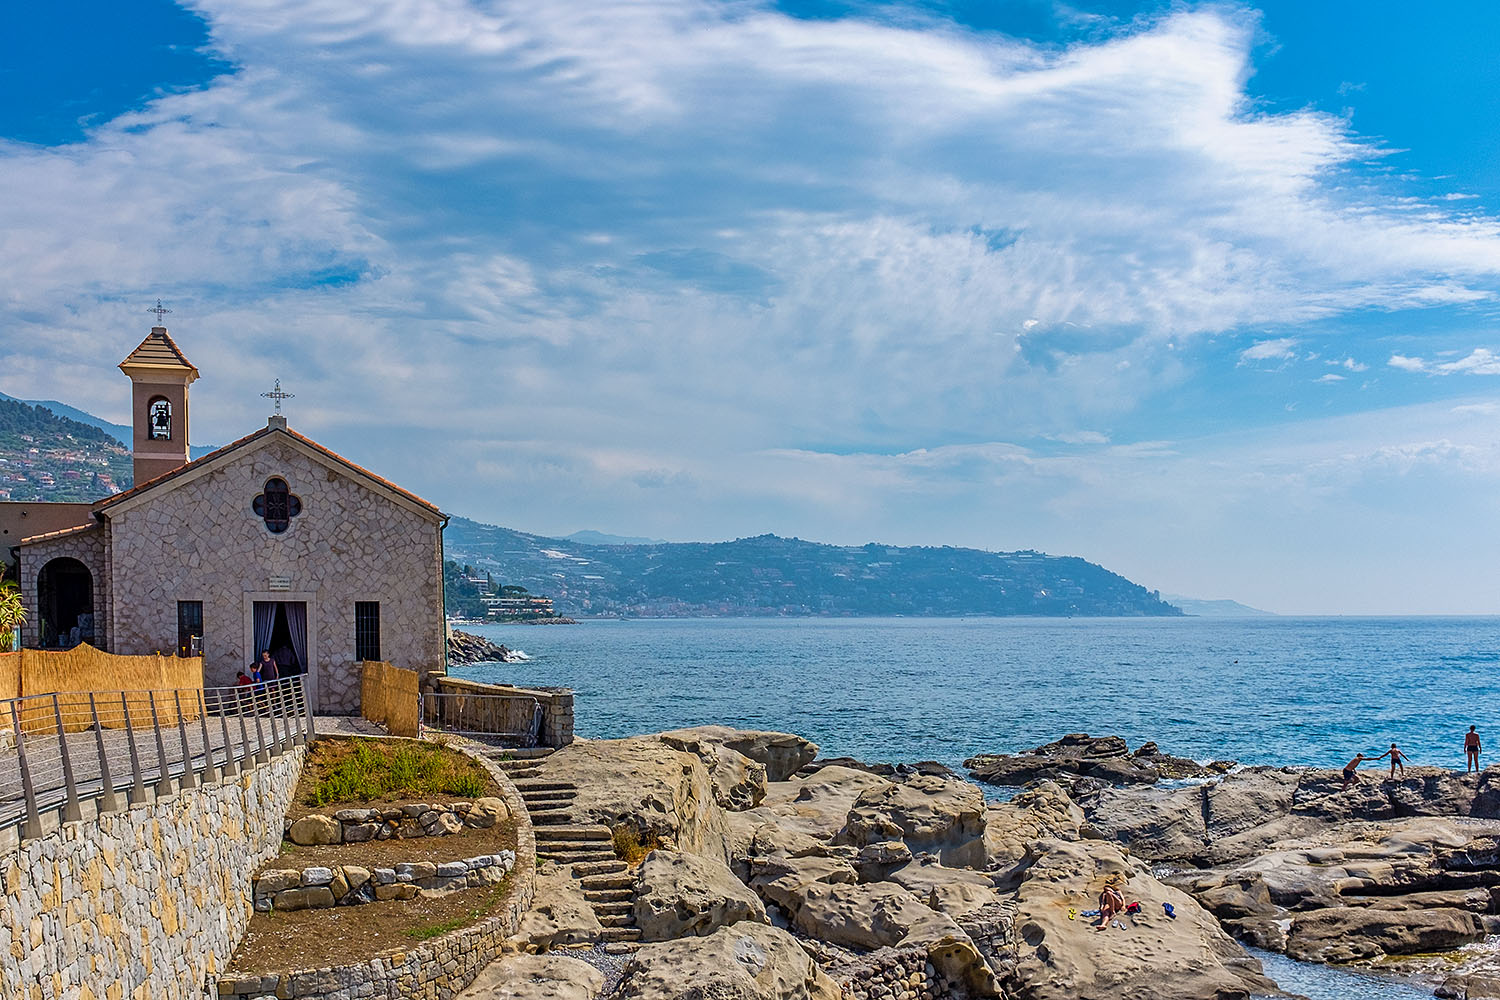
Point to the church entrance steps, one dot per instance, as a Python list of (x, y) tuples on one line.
[(612, 934), (600, 869), (575, 847), (620, 895)]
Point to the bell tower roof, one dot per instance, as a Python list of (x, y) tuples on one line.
[(158, 354)]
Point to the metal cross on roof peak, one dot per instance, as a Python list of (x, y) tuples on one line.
[(278, 396), (160, 311)]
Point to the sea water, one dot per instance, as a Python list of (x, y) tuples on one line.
[(1260, 691)]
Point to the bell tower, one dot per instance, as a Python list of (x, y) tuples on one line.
[(159, 377)]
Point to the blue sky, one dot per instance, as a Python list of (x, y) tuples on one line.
[(1203, 292)]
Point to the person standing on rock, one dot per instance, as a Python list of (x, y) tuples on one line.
[(1351, 771), (1471, 751), (1398, 759)]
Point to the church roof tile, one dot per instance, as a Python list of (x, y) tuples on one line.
[(158, 350), (48, 536)]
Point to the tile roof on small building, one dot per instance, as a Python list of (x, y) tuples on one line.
[(158, 350)]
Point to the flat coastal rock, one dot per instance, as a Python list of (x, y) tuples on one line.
[(1189, 958), (536, 977)]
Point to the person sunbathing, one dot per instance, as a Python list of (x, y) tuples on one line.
[(1111, 904)]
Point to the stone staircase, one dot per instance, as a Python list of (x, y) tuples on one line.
[(588, 849)]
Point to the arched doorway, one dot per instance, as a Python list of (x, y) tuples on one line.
[(65, 599)]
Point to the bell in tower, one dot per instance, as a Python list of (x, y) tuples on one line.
[(159, 376)]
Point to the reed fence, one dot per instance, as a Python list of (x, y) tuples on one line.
[(390, 696), (74, 674)]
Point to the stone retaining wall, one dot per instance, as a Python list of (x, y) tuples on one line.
[(145, 903), (437, 819), (441, 968), (321, 886)]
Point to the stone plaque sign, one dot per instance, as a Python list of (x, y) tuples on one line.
[(280, 583)]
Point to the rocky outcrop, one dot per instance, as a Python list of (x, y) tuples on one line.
[(1346, 933), (739, 782), (683, 895), (465, 648), (1079, 755), (1397, 869), (559, 912), (663, 793), (1040, 812), (743, 961), (782, 754), (928, 813)]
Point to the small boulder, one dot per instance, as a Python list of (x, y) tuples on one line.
[(310, 831), (486, 812)]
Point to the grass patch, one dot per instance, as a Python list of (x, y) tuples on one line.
[(631, 846), (372, 770)]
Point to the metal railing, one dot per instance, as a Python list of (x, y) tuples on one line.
[(502, 718), (59, 751)]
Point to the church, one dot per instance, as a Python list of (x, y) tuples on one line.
[(270, 543)]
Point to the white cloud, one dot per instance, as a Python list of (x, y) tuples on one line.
[(1349, 364), (1330, 377), (1080, 437), (617, 258), (1479, 361), (1279, 349)]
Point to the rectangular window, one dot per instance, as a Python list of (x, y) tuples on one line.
[(367, 630), (189, 628)]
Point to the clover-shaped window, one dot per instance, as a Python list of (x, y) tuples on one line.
[(277, 505)]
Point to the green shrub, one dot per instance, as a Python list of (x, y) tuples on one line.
[(391, 769)]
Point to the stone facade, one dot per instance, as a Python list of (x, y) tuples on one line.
[(147, 903), (195, 537)]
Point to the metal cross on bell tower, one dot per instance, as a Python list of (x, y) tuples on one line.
[(160, 311), (277, 395)]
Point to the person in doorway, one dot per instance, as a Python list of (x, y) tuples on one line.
[(286, 661), (1351, 771), (267, 665), (1398, 759), (1471, 751)]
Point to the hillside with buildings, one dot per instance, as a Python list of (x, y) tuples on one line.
[(769, 576), (44, 456)]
